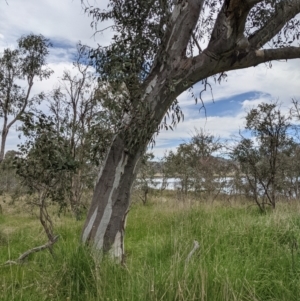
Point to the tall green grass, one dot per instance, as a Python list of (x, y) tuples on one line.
[(243, 255)]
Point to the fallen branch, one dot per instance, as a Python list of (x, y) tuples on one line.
[(22, 257)]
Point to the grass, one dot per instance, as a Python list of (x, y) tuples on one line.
[(243, 255)]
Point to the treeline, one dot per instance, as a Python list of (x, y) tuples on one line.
[(262, 164)]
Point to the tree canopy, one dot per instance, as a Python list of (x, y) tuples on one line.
[(22, 65)]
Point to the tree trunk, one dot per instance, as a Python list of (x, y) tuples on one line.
[(105, 223), (3, 139), (2, 150), (76, 194)]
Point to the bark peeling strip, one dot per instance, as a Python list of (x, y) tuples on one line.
[(88, 228), (229, 29), (137, 164), (116, 250), (260, 53), (176, 12), (171, 36), (150, 86), (108, 209), (104, 163)]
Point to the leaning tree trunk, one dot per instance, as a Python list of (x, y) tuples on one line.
[(173, 73), (105, 223)]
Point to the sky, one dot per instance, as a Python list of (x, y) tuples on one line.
[(65, 24)]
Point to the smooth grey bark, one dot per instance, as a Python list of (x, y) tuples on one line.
[(3, 139), (172, 73)]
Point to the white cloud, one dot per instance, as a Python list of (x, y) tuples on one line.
[(52, 82), (220, 126), (52, 18)]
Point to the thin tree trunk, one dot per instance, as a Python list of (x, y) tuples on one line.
[(6, 126), (76, 194), (3, 139)]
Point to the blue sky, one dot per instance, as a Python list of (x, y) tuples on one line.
[(65, 23)]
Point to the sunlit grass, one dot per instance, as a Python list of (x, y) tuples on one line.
[(243, 255)]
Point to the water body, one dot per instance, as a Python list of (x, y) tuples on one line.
[(175, 183)]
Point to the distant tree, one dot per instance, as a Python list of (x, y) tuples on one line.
[(261, 160), (197, 166), (18, 70), (209, 168), (178, 165), (146, 177), (290, 170), (293, 154)]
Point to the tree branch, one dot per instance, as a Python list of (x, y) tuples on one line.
[(284, 11), (257, 57), (23, 256), (172, 52), (192, 70), (183, 20)]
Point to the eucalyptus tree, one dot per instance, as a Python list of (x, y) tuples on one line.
[(18, 70), (210, 169), (154, 56), (263, 161), (179, 165), (198, 165)]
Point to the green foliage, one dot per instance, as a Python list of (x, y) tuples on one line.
[(265, 165), (139, 51), (139, 28), (23, 64), (269, 125), (45, 159), (33, 50), (122, 67)]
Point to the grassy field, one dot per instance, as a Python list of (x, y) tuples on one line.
[(243, 255)]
